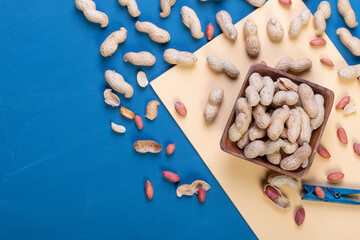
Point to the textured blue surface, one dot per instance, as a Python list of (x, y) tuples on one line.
[(63, 173)]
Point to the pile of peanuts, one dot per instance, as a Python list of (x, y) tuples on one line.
[(274, 104)]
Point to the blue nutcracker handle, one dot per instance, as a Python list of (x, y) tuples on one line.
[(335, 195)]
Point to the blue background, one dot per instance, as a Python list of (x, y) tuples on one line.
[(64, 173)]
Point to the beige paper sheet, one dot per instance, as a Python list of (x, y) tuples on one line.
[(242, 180)]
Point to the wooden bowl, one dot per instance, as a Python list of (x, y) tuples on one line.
[(231, 147)]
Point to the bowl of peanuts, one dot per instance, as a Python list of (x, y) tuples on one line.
[(277, 121)]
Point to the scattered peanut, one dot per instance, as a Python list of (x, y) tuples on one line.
[(242, 106), (342, 135), (155, 33), (307, 99), (191, 20), (276, 196), (287, 64), (289, 98), (347, 12), (262, 120), (180, 109), (256, 133), (267, 92), (305, 163), (298, 22), (144, 146), (149, 191), (219, 65), (151, 109), (165, 6), (238, 128), (294, 125), (131, 7), (118, 128), (127, 113), (350, 108), (271, 193), (201, 194), (327, 62), (140, 58), (323, 152), (322, 13), (276, 86), (275, 30), (300, 216), (319, 119), (350, 72), (343, 102), (242, 120), (286, 3), (174, 56), (138, 122), (142, 79), (110, 45), (286, 84), (252, 41), (88, 7), (171, 176), (256, 3), (356, 148), (318, 42), (335, 176), (280, 180), (170, 149), (209, 31), (306, 129), (274, 157), (295, 160), (289, 147), (278, 119), (224, 20), (319, 192), (351, 42), (111, 98), (252, 91), (190, 189), (284, 134), (117, 82), (212, 107), (261, 148), (244, 140)]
